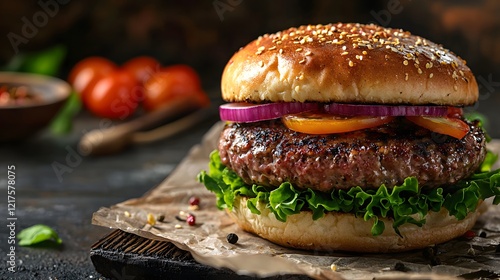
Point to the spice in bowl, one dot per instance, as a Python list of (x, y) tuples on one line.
[(17, 95)]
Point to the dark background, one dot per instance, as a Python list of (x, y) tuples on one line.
[(205, 34)]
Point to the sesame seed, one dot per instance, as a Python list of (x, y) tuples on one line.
[(178, 226), (297, 88), (428, 65), (298, 50), (302, 61), (351, 64), (272, 48), (405, 62), (308, 53), (461, 73), (419, 71), (431, 75), (280, 51), (344, 48), (455, 87), (261, 63), (258, 52), (301, 77), (261, 48), (344, 53), (365, 53), (416, 61), (406, 76)]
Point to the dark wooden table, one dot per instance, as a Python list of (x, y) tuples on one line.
[(65, 199)]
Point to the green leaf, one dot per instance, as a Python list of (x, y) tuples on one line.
[(489, 161), (44, 62), (63, 121), (36, 234), (405, 204)]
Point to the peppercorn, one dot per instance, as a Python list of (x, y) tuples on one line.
[(469, 235), (399, 266), (232, 238), (482, 234), (194, 201), (191, 220), (435, 261)]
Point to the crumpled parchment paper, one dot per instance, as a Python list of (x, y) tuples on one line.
[(459, 258)]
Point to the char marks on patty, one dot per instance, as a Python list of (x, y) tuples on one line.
[(268, 153)]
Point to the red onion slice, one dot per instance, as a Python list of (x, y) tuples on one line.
[(383, 110), (246, 112)]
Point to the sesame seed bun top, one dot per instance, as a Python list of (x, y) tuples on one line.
[(351, 63)]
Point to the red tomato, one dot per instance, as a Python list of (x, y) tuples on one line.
[(316, 123), (115, 96), (142, 67), (87, 72), (177, 81)]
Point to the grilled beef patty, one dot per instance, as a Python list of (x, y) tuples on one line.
[(268, 153)]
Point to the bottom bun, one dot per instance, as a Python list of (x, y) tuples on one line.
[(345, 232)]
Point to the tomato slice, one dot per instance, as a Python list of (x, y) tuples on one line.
[(445, 125), (317, 123)]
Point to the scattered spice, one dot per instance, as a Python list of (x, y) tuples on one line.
[(399, 266), (469, 235), (191, 220), (178, 226), (194, 207), (127, 214), (232, 238), (482, 234), (151, 219), (435, 261), (178, 218), (160, 218), (17, 96), (194, 200), (471, 252), (431, 253)]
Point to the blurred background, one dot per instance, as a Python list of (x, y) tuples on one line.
[(204, 34)]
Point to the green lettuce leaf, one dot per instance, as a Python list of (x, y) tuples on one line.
[(403, 204)]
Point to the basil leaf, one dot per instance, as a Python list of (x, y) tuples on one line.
[(36, 234)]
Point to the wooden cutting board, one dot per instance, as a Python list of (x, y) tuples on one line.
[(125, 256)]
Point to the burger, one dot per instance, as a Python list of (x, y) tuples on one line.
[(350, 137)]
